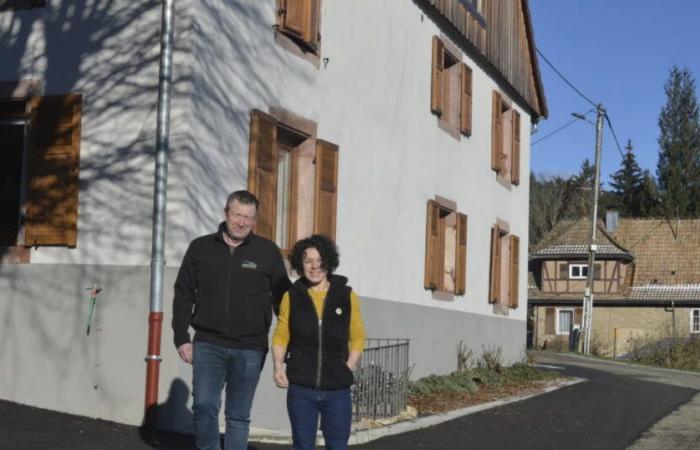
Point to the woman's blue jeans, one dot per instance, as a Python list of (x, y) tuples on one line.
[(304, 406), (213, 367)]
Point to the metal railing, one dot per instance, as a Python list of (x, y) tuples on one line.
[(381, 379)]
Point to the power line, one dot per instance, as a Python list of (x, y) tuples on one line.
[(619, 149), (554, 132), (564, 78), (559, 129)]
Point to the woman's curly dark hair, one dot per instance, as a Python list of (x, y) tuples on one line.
[(330, 258)]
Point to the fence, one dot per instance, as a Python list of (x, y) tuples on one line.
[(381, 379)]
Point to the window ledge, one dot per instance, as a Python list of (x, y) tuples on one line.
[(443, 296), (292, 46)]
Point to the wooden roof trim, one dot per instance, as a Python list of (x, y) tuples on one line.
[(544, 111)]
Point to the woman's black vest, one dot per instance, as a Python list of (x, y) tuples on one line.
[(318, 350)]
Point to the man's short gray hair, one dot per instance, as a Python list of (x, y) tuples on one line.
[(244, 197)]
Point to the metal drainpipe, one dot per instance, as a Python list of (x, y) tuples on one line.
[(155, 318)]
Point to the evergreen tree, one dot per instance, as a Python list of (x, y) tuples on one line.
[(678, 168), (579, 192), (627, 185), (649, 196)]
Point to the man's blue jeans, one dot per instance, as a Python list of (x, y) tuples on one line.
[(214, 366), (304, 406)]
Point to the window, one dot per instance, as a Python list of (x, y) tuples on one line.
[(695, 320), (300, 20), (295, 177), (580, 271), (451, 91), (505, 268), (445, 249), (40, 159), (6, 5), (565, 320), (505, 139)]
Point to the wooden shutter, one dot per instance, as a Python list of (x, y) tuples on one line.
[(563, 271), (466, 107), (461, 263), (293, 17), (326, 199), (578, 315), (437, 97), (496, 132), (495, 280), (432, 246), (515, 153), (300, 18), (53, 187), (597, 267), (262, 171), (549, 319), (313, 38), (514, 270)]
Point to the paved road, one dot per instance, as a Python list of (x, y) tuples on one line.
[(618, 407)]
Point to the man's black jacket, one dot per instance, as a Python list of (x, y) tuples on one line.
[(232, 292)]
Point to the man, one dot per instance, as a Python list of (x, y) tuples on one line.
[(225, 289)]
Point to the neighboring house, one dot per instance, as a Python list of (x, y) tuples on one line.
[(646, 283), (401, 129)]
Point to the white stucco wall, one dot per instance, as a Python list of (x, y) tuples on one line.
[(109, 53), (371, 96)]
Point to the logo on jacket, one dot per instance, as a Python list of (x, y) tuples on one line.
[(338, 311), (249, 265)]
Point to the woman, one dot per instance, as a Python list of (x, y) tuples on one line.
[(320, 337)]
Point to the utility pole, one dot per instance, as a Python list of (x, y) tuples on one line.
[(593, 247)]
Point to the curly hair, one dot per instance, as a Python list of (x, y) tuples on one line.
[(330, 258)]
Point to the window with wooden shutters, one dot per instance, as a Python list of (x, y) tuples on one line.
[(295, 177), (54, 164), (514, 270), (299, 20), (515, 150), (495, 273), (451, 90), (326, 188), (445, 248)]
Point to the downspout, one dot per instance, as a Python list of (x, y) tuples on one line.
[(155, 317)]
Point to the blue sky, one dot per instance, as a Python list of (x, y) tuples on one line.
[(616, 52)]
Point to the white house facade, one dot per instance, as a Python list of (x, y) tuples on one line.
[(400, 128)]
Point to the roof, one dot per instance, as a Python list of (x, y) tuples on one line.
[(499, 34), (570, 238), (666, 257), (665, 252), (664, 292)]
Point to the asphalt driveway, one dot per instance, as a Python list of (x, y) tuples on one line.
[(611, 410)]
